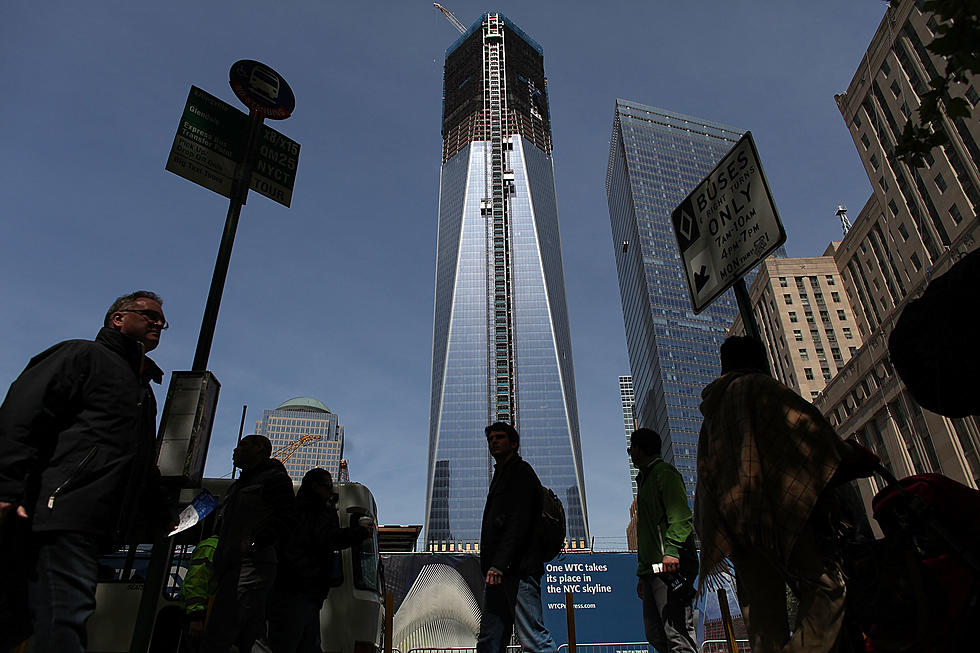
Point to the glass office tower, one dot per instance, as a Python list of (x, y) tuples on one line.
[(501, 347), (304, 434), (656, 158)]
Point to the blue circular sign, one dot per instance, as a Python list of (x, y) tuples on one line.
[(262, 89)]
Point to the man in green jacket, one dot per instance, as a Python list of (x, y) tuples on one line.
[(667, 558)]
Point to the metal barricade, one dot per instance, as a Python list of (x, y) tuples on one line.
[(513, 648), (724, 644), (610, 647)]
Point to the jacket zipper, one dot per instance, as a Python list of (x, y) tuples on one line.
[(71, 477)]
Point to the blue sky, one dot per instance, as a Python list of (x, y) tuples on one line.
[(332, 298)]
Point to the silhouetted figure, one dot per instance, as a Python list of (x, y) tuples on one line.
[(664, 534), (767, 464), (509, 552), (77, 432), (256, 513), (308, 565), (198, 588)]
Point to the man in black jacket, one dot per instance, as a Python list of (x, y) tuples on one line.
[(77, 432), (509, 551), (307, 566), (257, 512)]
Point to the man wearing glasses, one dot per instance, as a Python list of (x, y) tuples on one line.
[(77, 432)]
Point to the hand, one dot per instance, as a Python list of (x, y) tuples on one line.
[(494, 577), (671, 564), (639, 587), (7, 507)]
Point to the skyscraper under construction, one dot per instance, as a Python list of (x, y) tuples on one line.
[(501, 346)]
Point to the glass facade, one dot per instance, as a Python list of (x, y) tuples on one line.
[(501, 344), (656, 158), (304, 434)]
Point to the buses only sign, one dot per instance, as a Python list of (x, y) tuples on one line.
[(727, 225)]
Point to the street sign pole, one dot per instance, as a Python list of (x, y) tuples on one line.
[(745, 309), (243, 173)]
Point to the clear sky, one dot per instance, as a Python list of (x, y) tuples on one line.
[(332, 298)]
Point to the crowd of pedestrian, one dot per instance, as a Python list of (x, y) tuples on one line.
[(78, 479)]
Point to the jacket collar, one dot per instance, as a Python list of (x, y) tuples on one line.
[(131, 350)]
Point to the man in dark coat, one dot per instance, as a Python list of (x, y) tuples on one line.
[(257, 512), (307, 565), (77, 432), (509, 551)]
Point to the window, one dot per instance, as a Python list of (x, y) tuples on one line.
[(972, 96), (916, 263), (931, 25), (782, 282), (834, 295), (896, 89), (857, 121), (808, 373), (824, 315), (955, 214), (874, 161), (792, 317), (906, 111), (830, 279), (885, 69), (847, 333), (883, 184), (893, 207), (814, 394), (902, 230), (852, 350), (841, 315), (940, 183), (821, 355), (826, 373), (804, 299), (787, 298), (804, 355), (865, 141), (798, 334), (927, 157)]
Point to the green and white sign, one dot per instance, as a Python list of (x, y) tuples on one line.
[(210, 142)]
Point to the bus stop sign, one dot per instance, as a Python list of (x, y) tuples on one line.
[(727, 225), (262, 89)]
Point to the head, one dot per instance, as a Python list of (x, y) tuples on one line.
[(743, 353), (138, 315), (644, 445), (503, 441), (317, 482), (251, 451)]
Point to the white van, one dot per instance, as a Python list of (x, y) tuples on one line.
[(351, 620)]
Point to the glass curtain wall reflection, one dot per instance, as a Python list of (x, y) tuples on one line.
[(501, 344), (656, 158)]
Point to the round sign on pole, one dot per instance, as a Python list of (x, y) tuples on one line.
[(262, 89)]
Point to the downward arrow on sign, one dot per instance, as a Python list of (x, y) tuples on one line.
[(701, 278)]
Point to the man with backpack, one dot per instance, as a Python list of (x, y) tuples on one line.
[(510, 553), (667, 559)]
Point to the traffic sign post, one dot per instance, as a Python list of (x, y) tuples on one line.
[(220, 148), (725, 227)]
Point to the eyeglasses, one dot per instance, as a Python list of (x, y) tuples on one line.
[(150, 316)]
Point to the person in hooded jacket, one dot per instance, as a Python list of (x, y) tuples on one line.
[(769, 465), (256, 515), (306, 569), (77, 432)]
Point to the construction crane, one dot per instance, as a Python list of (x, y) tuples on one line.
[(450, 17), (344, 472), (285, 453)]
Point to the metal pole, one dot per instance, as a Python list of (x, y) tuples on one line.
[(243, 175), (745, 309), (389, 620), (570, 620), (241, 428), (726, 615)]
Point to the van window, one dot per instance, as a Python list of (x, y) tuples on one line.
[(364, 557)]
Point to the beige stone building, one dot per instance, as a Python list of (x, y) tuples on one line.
[(918, 222), (804, 319)]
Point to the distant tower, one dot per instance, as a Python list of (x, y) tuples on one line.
[(501, 349), (629, 420), (304, 434), (656, 158), (845, 224)]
